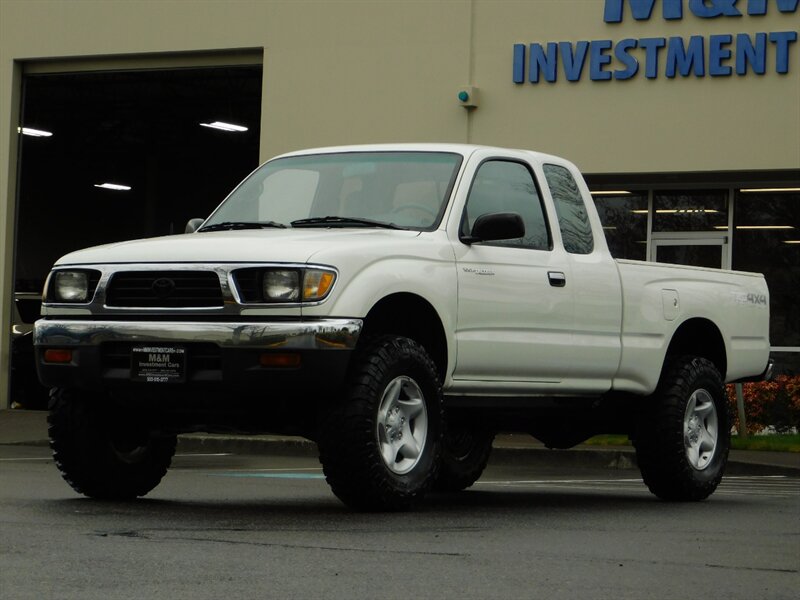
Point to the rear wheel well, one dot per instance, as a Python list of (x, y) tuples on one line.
[(411, 316), (700, 337)]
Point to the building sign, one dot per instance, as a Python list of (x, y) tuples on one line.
[(719, 55)]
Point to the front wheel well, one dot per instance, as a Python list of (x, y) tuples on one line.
[(699, 337), (411, 316)]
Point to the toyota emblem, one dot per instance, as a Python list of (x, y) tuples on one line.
[(163, 287)]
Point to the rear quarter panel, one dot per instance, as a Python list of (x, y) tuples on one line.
[(658, 299)]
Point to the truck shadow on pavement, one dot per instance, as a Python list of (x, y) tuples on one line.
[(314, 511)]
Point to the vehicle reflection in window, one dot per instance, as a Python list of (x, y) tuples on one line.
[(573, 219)]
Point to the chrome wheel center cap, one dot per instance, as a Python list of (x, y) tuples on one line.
[(693, 429), (394, 424)]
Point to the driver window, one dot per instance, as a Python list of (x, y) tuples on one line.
[(506, 186)]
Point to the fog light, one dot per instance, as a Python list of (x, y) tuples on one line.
[(280, 361), (57, 356)]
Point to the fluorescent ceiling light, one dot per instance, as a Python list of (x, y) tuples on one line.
[(113, 186), (611, 193), (224, 126), (762, 190), (791, 241), (756, 227), (34, 132), (764, 227), (678, 211)]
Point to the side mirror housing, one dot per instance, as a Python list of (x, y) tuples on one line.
[(496, 226), (193, 225)]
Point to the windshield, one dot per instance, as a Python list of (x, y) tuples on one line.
[(356, 189)]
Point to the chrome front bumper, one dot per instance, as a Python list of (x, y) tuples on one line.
[(290, 335), (223, 359)]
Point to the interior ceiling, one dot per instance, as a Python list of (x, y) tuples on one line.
[(124, 108)]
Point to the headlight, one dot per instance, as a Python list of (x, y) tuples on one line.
[(281, 286), (288, 285), (71, 286)]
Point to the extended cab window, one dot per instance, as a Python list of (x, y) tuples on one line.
[(573, 220), (502, 186)]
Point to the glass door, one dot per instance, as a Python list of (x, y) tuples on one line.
[(690, 227)]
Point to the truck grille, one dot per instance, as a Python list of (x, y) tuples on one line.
[(164, 289), (248, 282)]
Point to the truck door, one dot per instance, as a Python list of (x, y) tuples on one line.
[(514, 311), (594, 281)]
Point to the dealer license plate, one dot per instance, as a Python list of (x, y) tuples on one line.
[(158, 364)]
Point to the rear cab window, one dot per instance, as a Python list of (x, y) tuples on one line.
[(573, 218)]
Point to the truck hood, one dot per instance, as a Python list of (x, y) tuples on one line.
[(251, 245)]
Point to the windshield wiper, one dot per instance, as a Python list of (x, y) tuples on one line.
[(227, 225), (343, 222)]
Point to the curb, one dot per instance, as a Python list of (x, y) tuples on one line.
[(534, 456), (244, 444)]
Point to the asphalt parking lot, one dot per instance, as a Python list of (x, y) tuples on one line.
[(246, 525)]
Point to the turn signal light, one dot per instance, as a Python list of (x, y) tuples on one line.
[(317, 283), (57, 356), (279, 360)]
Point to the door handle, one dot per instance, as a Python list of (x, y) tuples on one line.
[(557, 278)]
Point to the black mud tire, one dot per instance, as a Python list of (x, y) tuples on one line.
[(465, 453), (683, 435), (360, 432), (102, 454)]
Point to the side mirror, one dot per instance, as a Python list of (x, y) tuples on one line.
[(193, 225), (496, 226)]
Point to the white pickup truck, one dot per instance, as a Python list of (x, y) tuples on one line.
[(399, 305)]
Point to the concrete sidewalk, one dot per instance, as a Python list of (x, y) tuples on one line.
[(22, 427)]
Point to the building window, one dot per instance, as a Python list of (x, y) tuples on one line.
[(766, 239), (704, 210), (624, 219)]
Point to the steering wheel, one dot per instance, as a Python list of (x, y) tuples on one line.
[(418, 207)]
